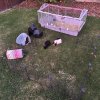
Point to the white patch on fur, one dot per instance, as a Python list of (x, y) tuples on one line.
[(58, 41)]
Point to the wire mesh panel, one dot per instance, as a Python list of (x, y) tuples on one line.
[(62, 19)]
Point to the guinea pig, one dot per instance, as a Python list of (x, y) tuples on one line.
[(57, 41), (47, 44)]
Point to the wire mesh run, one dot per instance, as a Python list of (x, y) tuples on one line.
[(62, 19)]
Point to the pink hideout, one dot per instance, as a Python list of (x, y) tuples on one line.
[(14, 54)]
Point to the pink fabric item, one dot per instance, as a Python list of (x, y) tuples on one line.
[(14, 54)]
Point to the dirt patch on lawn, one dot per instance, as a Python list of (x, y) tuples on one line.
[(29, 4), (93, 8)]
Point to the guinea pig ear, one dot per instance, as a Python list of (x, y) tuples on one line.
[(53, 43)]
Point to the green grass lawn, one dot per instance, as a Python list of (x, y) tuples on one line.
[(58, 73)]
